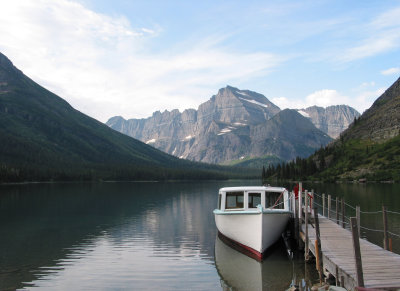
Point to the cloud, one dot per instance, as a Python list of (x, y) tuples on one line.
[(361, 98), (391, 71), (380, 35), (103, 66)]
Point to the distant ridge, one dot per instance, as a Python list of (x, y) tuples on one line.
[(44, 138)]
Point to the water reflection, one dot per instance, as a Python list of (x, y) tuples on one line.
[(277, 272), (108, 236)]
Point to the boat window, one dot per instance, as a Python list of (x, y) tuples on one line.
[(219, 201), (234, 200), (271, 199), (254, 200)]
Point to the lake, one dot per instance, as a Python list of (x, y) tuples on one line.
[(140, 236)]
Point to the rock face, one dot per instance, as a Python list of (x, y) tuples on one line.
[(332, 120), (232, 125), (381, 121)]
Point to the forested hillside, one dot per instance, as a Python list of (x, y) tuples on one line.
[(43, 138)]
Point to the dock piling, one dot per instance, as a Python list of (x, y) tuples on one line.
[(357, 252), (385, 229), (358, 220)]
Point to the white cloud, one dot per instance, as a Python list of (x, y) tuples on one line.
[(284, 102), (101, 64), (391, 71), (361, 99), (380, 35), (325, 98)]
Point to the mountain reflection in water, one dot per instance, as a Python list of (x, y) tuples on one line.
[(103, 236)]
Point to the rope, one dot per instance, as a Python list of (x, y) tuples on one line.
[(394, 234), (361, 212), (370, 229), (278, 200), (371, 212), (393, 212), (354, 208)]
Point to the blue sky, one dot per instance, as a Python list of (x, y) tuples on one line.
[(132, 58)]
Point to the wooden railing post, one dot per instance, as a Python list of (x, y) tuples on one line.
[(318, 250), (385, 229), (343, 214), (329, 206), (337, 210), (323, 204), (358, 220), (306, 224), (357, 252)]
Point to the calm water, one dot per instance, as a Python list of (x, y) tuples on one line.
[(127, 236), (144, 236)]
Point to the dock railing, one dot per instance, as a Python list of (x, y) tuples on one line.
[(309, 206)]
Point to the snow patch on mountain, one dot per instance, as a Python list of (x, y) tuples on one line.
[(254, 102), (305, 114)]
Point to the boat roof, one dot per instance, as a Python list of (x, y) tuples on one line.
[(253, 188)]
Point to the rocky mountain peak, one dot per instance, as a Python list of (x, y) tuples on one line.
[(333, 119), (231, 125)]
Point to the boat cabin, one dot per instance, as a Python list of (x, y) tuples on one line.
[(251, 198)]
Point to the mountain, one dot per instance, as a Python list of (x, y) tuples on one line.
[(369, 149), (332, 120), (233, 125), (381, 121), (43, 138)]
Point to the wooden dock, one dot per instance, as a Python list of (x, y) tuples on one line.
[(381, 268)]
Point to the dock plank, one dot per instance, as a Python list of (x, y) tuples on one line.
[(380, 267)]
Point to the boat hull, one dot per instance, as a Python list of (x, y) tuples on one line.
[(253, 231)]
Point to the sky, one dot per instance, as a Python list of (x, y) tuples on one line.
[(131, 58)]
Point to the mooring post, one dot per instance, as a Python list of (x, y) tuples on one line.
[(337, 210), (323, 204), (306, 224), (300, 202), (343, 214), (358, 220), (318, 250), (329, 206), (357, 252), (385, 229)]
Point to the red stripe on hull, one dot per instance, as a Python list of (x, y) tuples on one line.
[(248, 251)]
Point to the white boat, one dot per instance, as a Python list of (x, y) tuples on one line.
[(252, 217)]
